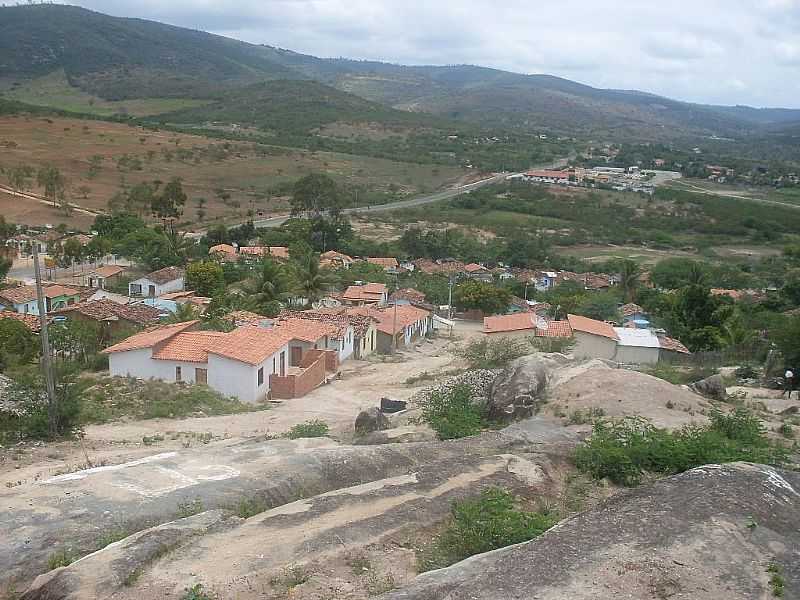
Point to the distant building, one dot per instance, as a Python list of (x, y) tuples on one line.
[(23, 299), (157, 283), (101, 276), (368, 293)]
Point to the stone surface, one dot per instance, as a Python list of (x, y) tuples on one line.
[(371, 420), (707, 534), (519, 390), (711, 387), (398, 435)]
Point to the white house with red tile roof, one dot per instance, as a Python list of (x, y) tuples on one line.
[(527, 324), (406, 324), (593, 339), (157, 283)]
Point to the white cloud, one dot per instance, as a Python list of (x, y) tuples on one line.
[(686, 49)]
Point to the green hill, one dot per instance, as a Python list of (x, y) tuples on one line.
[(105, 60)]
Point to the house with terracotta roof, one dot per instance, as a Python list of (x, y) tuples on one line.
[(593, 339), (157, 283), (524, 325), (99, 277), (114, 318), (251, 363), (439, 267), (279, 253), (307, 334), (478, 272), (390, 265), (369, 293), (356, 333), (23, 299), (407, 296), (335, 260), (30, 321), (224, 252), (400, 325)]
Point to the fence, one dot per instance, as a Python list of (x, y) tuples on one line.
[(752, 353), (314, 365)]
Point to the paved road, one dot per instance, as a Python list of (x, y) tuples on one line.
[(428, 199)]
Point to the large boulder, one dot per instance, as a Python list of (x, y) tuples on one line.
[(711, 387), (719, 531), (398, 435), (519, 391), (371, 420)]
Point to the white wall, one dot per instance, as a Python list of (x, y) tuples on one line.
[(594, 346), (134, 363), (637, 356), (170, 286), (234, 378)]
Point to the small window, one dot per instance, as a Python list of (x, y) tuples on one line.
[(178, 375), (261, 376)]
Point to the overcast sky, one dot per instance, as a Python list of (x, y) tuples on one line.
[(715, 51)]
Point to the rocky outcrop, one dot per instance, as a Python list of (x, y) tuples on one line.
[(711, 387), (519, 390), (479, 383), (713, 532), (371, 420), (398, 435)]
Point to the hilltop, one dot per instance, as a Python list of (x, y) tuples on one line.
[(97, 59)]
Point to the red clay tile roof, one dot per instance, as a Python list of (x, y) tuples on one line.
[(508, 323), (474, 268), (150, 337), (243, 317), (107, 271), (386, 263), (586, 325), (279, 252), (428, 266), (341, 318), (189, 346), (305, 330), (668, 343), (372, 292), (165, 275), (249, 344), (108, 310), (406, 315), (31, 321), (27, 293), (554, 329), (409, 294), (628, 310)]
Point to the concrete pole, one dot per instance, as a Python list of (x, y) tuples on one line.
[(47, 367)]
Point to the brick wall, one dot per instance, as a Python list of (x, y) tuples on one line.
[(297, 386)]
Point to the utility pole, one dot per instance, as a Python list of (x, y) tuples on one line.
[(394, 318), (47, 366), (450, 298)]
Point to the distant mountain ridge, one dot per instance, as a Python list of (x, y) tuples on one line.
[(122, 58)]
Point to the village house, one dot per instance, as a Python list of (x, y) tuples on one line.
[(279, 253), (593, 339), (439, 267), (400, 325), (23, 299), (114, 318), (335, 260), (478, 273), (224, 252), (157, 283), (368, 293), (102, 276), (407, 296), (390, 265), (250, 363), (524, 325), (30, 321), (363, 327), (545, 280), (634, 316)]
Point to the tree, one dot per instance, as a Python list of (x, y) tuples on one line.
[(205, 278), (5, 267), (97, 248), (179, 245), (18, 345), (117, 226), (170, 202), (601, 306), (54, 184), (315, 195), (786, 336), (140, 198), (476, 295), (268, 287), (18, 177), (629, 274), (312, 282), (674, 273), (183, 313), (73, 251)]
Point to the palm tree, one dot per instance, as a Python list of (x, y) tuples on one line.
[(312, 282), (697, 274), (185, 312), (268, 287), (629, 274), (179, 245)]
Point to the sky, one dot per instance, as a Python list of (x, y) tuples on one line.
[(710, 51)]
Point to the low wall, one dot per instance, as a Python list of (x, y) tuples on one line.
[(298, 385)]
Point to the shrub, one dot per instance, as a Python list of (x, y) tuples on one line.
[(60, 558), (482, 524), (626, 449), (309, 429), (452, 413), (494, 353), (196, 593), (583, 416)]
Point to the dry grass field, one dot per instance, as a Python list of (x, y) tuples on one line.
[(248, 174)]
